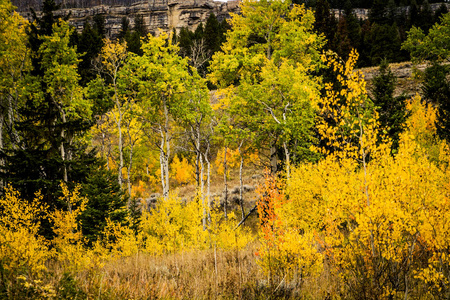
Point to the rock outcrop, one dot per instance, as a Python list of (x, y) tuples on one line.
[(158, 14)]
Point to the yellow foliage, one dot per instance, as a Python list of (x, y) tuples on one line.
[(399, 232), (181, 170), (284, 252), (68, 241), (348, 122), (233, 159), (22, 250), (421, 127), (113, 55), (175, 226), (120, 240), (224, 234), (139, 190)]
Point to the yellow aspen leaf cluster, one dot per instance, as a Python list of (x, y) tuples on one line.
[(181, 170), (223, 234), (69, 242), (120, 240), (175, 226), (283, 252), (22, 251), (348, 121), (421, 127), (234, 158)]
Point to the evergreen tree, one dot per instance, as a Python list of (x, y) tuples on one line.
[(391, 110), (174, 36), (53, 119), (199, 32), (213, 34), (325, 23), (185, 39), (139, 25), (89, 45), (41, 27), (384, 43), (106, 201), (391, 12), (133, 37), (413, 16), (343, 46), (99, 25), (124, 29), (425, 17), (224, 28), (50, 147), (365, 45), (353, 27), (436, 89), (378, 12), (442, 10)]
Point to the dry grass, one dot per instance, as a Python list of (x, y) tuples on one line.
[(209, 274), (189, 275)]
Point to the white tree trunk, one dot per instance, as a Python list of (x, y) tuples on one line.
[(225, 201), (63, 151), (162, 163), (130, 165), (288, 161), (241, 182), (202, 193), (118, 121), (165, 152), (208, 188)]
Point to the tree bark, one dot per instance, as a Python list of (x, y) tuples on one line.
[(118, 121), (273, 159), (288, 161), (63, 152), (225, 200), (241, 183)]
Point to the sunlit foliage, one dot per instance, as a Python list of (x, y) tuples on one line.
[(23, 252)]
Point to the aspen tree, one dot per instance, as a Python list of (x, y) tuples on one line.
[(265, 69)]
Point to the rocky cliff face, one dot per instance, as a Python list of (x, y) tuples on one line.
[(158, 14)]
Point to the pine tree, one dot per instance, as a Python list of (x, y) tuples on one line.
[(436, 89), (378, 12), (185, 38), (124, 29), (212, 33), (343, 46), (106, 201), (353, 27), (425, 17), (133, 37), (384, 42), (391, 111), (89, 45), (442, 10), (326, 23)]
